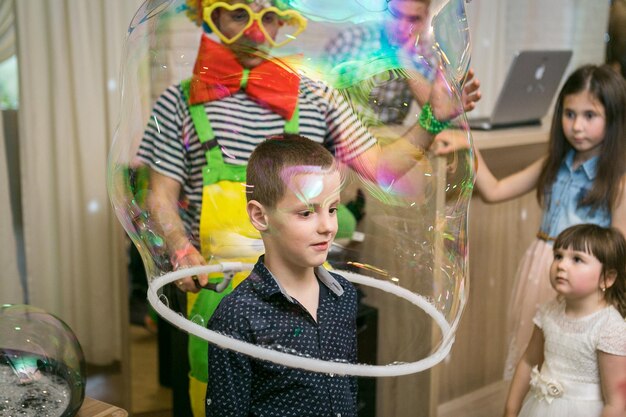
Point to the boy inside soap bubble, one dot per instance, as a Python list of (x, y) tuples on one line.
[(203, 130)]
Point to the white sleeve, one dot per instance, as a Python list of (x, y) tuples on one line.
[(612, 338), (543, 311)]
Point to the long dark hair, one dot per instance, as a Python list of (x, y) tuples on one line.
[(609, 88), (609, 247)]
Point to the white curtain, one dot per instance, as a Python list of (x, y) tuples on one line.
[(11, 291), (69, 54), (7, 31)]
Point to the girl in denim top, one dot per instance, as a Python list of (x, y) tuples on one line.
[(580, 180)]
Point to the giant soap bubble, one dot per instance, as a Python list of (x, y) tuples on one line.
[(407, 254)]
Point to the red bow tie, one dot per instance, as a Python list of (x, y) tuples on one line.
[(218, 74)]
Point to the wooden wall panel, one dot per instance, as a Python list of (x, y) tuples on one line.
[(499, 235)]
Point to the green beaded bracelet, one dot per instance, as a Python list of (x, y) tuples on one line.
[(429, 123)]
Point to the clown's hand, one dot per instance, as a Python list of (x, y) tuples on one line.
[(187, 256), (446, 104), (471, 91)]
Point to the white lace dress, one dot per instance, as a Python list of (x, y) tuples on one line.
[(568, 384)]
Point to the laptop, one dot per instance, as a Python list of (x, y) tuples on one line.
[(528, 91)]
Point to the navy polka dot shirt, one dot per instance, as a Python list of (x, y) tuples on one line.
[(259, 311)]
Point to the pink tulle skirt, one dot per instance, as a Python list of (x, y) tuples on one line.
[(531, 289)]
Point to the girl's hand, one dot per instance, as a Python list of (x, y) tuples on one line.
[(450, 141)]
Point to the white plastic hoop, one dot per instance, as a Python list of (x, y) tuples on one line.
[(295, 361)]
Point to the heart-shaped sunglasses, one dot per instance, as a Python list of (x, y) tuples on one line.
[(269, 20)]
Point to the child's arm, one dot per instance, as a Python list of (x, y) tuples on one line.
[(354, 359), (492, 190), (163, 203), (392, 158), (229, 382), (521, 380), (228, 387), (613, 380)]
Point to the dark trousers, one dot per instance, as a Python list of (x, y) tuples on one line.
[(174, 356)]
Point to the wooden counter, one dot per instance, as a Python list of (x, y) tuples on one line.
[(506, 138), (470, 380), (95, 408)]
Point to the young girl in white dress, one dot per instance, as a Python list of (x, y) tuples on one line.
[(575, 364)]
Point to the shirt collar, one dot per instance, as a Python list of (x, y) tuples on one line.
[(590, 166), (264, 282)]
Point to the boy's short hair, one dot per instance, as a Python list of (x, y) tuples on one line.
[(265, 180)]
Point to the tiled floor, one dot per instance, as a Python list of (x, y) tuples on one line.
[(148, 398)]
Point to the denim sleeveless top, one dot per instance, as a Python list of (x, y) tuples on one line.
[(562, 209)]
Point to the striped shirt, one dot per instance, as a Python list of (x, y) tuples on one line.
[(391, 97), (171, 147)]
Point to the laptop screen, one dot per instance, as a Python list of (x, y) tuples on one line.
[(529, 89)]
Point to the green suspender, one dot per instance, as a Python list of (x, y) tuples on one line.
[(216, 169)]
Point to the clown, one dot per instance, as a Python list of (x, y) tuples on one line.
[(206, 165), (203, 130)]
